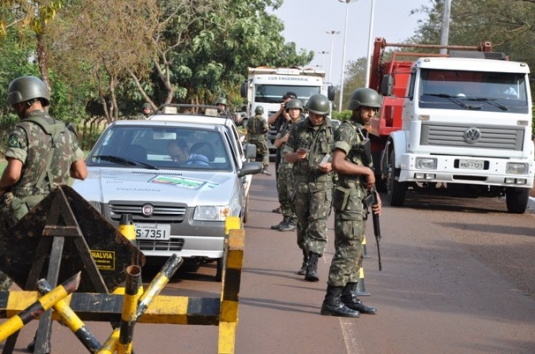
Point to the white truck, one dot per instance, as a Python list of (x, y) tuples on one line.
[(265, 87), (466, 128)]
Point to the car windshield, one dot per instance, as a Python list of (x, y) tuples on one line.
[(472, 90), (152, 147)]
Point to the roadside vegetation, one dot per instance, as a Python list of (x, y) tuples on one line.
[(103, 59)]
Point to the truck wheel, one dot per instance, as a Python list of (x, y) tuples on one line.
[(517, 200), (219, 269), (396, 190), (380, 184)]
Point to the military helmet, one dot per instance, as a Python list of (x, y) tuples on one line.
[(26, 88), (147, 105), (365, 97), (259, 110), (318, 104), (221, 100), (294, 103)]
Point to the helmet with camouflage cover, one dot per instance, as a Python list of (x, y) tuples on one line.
[(259, 110), (318, 104), (294, 103), (26, 88), (365, 97), (147, 105), (221, 100)]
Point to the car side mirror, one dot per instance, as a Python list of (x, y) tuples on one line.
[(250, 151)]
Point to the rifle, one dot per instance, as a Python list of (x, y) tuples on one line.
[(371, 199)]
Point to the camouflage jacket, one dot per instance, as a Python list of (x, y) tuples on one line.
[(257, 127), (285, 128), (319, 140), (349, 137), (30, 142)]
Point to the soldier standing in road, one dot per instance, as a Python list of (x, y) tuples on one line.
[(285, 182), (42, 152), (257, 129), (355, 179), (278, 119), (309, 144)]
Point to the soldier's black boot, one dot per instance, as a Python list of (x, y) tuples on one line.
[(349, 298), (303, 269), (312, 267), (284, 222), (290, 225), (333, 305)]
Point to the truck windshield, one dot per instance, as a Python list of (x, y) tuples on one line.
[(485, 91), (274, 93)]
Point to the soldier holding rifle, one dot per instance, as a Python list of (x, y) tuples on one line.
[(352, 161)]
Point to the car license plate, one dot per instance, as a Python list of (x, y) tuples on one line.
[(153, 232), (472, 164)]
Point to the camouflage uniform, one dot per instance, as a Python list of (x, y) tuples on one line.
[(285, 181), (313, 188), (257, 128), (350, 212), (30, 144)]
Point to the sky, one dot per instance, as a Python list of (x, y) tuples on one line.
[(307, 21)]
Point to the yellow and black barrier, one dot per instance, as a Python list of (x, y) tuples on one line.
[(71, 320), (39, 306), (151, 308)]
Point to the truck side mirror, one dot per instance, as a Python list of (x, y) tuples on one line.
[(243, 89), (331, 92), (387, 85)]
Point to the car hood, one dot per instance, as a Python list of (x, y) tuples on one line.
[(193, 188)]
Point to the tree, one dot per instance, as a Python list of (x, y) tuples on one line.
[(30, 17)]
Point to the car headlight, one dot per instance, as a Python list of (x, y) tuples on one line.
[(515, 168), (211, 213), (426, 163)]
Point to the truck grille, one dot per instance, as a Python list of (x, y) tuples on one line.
[(162, 212), (491, 137)]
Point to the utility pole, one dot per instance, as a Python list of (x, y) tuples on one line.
[(445, 26)]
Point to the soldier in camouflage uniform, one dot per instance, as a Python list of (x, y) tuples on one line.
[(355, 179), (309, 143), (285, 182), (257, 129), (146, 111), (42, 152)]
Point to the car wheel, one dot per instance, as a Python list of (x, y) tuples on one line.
[(246, 211)]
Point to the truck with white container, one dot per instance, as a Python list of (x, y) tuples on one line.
[(457, 123), (265, 87)]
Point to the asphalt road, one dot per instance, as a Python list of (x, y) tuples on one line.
[(458, 277)]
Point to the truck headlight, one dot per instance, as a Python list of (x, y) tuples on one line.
[(426, 163), (516, 168), (211, 213)]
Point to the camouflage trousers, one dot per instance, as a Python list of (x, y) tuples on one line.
[(286, 190), (5, 282), (312, 210), (349, 252), (262, 147)]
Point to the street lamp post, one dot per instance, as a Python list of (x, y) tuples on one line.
[(332, 50), (323, 52), (347, 2), (370, 33)]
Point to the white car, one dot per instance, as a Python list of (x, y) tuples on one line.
[(176, 206)]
